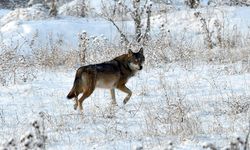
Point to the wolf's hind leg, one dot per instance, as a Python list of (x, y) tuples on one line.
[(126, 90), (85, 95), (76, 102), (112, 92)]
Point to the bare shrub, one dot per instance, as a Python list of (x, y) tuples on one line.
[(171, 119), (90, 50), (53, 8), (226, 35), (238, 2), (236, 144), (34, 2), (192, 3), (35, 139), (78, 8), (50, 55), (209, 146), (83, 43), (137, 12), (99, 49), (218, 27), (36, 12), (230, 2), (15, 67), (238, 104), (166, 48), (171, 116), (12, 4), (207, 33)]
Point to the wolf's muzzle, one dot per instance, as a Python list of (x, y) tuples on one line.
[(140, 68)]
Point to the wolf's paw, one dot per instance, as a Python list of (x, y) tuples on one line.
[(114, 104), (75, 106), (125, 102)]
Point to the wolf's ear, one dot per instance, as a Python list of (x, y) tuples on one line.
[(130, 52), (141, 50)]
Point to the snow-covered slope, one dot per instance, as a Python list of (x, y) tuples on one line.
[(180, 23), (66, 29)]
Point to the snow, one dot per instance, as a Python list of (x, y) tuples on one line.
[(184, 23), (125, 127), (73, 8), (24, 30), (3, 12), (36, 12), (174, 105)]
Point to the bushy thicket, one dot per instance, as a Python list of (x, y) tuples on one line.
[(11, 4)]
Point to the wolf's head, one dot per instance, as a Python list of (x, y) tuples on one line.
[(136, 59)]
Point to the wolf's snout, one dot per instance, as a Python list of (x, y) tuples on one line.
[(140, 68)]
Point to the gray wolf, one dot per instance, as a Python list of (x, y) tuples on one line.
[(113, 74)]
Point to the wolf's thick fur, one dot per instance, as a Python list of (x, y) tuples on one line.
[(112, 75)]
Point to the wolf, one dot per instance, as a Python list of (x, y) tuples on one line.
[(113, 74)]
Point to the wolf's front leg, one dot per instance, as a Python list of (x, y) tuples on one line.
[(112, 92), (76, 103), (126, 90)]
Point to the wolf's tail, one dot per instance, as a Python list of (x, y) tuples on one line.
[(71, 94), (74, 91)]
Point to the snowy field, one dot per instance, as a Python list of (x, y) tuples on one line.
[(186, 97), (186, 107)]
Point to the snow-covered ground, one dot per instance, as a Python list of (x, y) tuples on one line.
[(179, 105), (185, 107)]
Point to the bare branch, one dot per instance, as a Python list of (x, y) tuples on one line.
[(119, 30), (146, 34), (246, 144)]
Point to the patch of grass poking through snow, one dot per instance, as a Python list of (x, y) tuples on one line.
[(35, 139), (238, 105), (15, 68), (236, 144), (171, 116)]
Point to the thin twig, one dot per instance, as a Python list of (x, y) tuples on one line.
[(247, 138)]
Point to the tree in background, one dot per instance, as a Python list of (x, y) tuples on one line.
[(78, 8), (12, 4), (135, 10), (33, 2), (192, 3), (53, 8), (239, 2), (230, 2)]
